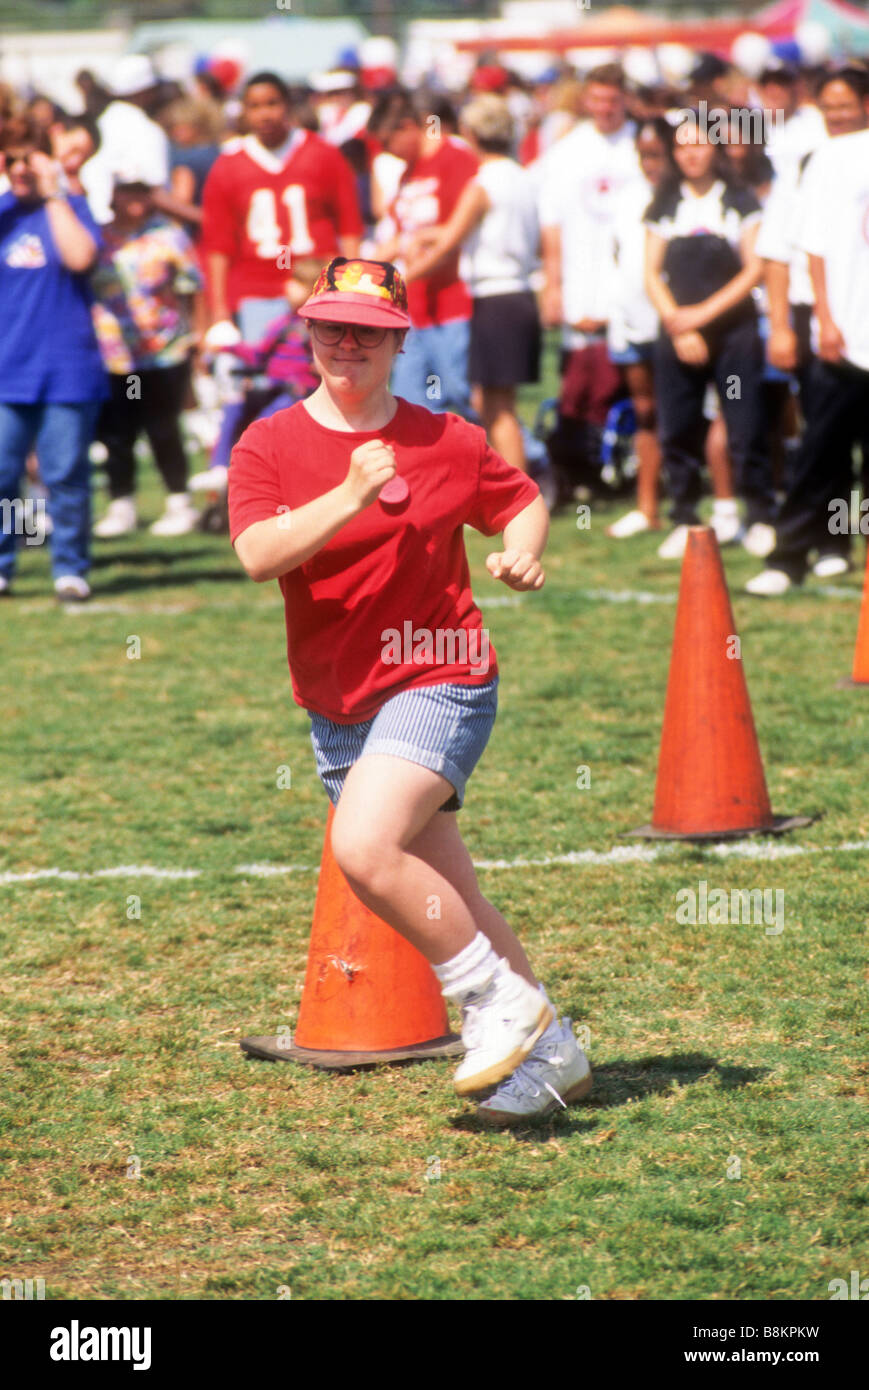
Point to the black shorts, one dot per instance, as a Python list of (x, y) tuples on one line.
[(505, 340)]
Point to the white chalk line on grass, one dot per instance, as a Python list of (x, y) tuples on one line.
[(619, 854), (102, 607)]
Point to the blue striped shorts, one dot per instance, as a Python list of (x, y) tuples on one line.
[(443, 727)]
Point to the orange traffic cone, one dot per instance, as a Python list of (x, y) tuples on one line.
[(710, 783), (369, 995), (860, 673)]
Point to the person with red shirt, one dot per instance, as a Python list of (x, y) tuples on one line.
[(434, 369), (276, 194), (356, 500)]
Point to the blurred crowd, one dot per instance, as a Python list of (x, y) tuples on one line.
[(702, 251)]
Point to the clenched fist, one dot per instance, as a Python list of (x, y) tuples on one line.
[(372, 465), (518, 568)]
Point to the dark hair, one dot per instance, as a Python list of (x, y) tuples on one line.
[(782, 77), (607, 75), (267, 79), (83, 122), (662, 128), (23, 130), (391, 110), (669, 187), (855, 78)]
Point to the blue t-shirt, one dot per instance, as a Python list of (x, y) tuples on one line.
[(48, 347)]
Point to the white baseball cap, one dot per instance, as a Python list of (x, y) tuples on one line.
[(134, 73)]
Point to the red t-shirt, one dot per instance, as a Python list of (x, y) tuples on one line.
[(359, 611), (253, 206), (426, 197)]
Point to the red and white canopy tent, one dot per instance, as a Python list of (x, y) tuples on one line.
[(622, 26)]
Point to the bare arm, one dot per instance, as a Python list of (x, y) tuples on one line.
[(831, 344), (349, 246), (550, 242), (218, 277), (72, 240), (182, 209), (782, 346), (656, 287), (281, 543), (524, 538), (471, 208)]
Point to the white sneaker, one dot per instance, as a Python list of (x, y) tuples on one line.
[(179, 518), (500, 1026), (556, 1074), (769, 584), (727, 526), (759, 540), (5, 586), (631, 524), (673, 548), (830, 566), (71, 588), (212, 480), (119, 520)]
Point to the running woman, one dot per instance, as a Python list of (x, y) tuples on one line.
[(378, 492)]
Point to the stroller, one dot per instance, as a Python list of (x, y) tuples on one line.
[(249, 382), (585, 462)]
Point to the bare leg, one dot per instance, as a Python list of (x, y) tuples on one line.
[(502, 424), (641, 384), (718, 460), (403, 858)]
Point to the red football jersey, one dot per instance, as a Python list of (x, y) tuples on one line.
[(254, 205), (427, 195)]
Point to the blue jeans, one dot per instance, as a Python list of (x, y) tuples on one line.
[(433, 370), (61, 433)]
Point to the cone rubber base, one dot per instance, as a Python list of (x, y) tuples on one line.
[(269, 1050), (848, 683), (780, 826)]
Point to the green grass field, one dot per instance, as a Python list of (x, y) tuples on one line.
[(721, 1154)]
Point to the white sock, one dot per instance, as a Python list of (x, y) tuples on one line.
[(469, 971), (725, 506), (554, 1029)]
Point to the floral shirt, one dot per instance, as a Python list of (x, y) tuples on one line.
[(139, 315)]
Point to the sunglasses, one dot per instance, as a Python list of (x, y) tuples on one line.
[(364, 335)]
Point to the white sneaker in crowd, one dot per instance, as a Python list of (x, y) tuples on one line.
[(500, 1025), (830, 566), (725, 521), (5, 586), (673, 548), (555, 1074), (769, 584), (759, 540), (179, 518), (631, 524), (212, 480), (119, 520), (71, 588)]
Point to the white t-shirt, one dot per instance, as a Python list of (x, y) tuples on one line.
[(836, 228), (582, 176), (632, 315), (501, 252), (789, 143), (776, 241), (132, 147)]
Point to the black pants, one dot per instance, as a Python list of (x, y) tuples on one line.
[(837, 405), (157, 411), (736, 366)]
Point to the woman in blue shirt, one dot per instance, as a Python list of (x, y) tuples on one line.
[(51, 377)]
